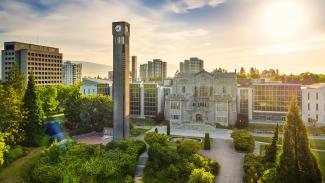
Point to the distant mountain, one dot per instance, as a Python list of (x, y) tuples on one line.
[(92, 69)]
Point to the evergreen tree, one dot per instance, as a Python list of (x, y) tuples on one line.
[(16, 80), (297, 163), (34, 125), (207, 145), (271, 150), (156, 130), (168, 128)]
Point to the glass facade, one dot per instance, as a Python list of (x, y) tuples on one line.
[(150, 99), (243, 103), (135, 99), (271, 101)]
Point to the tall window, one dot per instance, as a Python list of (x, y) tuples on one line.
[(175, 105), (316, 107), (183, 89), (204, 91)]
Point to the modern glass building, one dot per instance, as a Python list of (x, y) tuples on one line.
[(135, 99), (271, 100), (193, 65), (150, 99)]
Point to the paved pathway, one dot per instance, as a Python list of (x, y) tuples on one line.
[(231, 162)]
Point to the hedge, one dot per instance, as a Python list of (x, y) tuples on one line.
[(243, 140)]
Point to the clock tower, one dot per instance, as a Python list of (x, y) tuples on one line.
[(121, 49)]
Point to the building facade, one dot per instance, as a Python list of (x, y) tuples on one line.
[(146, 99), (313, 103), (72, 73), (96, 87), (193, 65), (155, 70), (202, 98), (134, 72), (43, 61), (121, 68)]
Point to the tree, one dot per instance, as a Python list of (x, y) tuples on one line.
[(242, 71), (49, 98), (17, 80), (72, 109), (207, 145), (11, 117), (34, 121), (297, 163), (271, 150), (156, 130), (3, 147)]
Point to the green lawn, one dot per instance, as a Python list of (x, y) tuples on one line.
[(320, 156), (143, 121), (18, 171), (270, 127), (138, 131), (314, 143)]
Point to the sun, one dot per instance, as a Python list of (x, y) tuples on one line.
[(283, 19)]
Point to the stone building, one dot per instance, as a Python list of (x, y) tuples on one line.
[(202, 98)]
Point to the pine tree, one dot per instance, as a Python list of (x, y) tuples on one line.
[(297, 162), (34, 120), (207, 145), (271, 150)]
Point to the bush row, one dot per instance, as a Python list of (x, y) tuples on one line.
[(243, 140), (73, 162)]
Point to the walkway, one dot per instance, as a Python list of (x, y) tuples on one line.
[(231, 162)]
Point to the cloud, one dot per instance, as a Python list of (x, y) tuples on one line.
[(184, 6)]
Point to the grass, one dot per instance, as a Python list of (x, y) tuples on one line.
[(138, 131), (57, 117), (314, 143), (18, 171), (142, 121), (320, 156), (174, 144), (270, 127)]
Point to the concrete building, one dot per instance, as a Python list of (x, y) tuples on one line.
[(202, 99), (43, 61), (313, 103), (72, 73), (193, 65), (155, 70), (146, 99), (96, 87), (134, 69), (121, 65)]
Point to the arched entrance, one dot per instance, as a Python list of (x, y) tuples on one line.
[(199, 117)]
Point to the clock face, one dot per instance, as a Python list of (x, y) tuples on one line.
[(118, 28)]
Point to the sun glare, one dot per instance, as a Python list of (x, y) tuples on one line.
[(283, 19)]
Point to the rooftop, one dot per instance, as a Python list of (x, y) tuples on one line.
[(315, 86)]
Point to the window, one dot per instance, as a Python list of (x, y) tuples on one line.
[(175, 117), (316, 96), (268, 118), (174, 105), (316, 107), (283, 118), (308, 95), (183, 89), (308, 106)]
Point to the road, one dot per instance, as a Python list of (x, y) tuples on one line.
[(231, 162)]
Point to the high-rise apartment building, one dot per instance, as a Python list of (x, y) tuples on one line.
[(43, 61), (193, 65), (134, 68), (143, 72), (155, 70), (72, 73), (121, 65)]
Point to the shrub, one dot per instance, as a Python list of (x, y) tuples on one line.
[(199, 175), (243, 140), (153, 137), (214, 167), (13, 154), (187, 147), (207, 145), (242, 121), (156, 130), (253, 168)]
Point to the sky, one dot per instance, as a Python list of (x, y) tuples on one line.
[(285, 34)]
